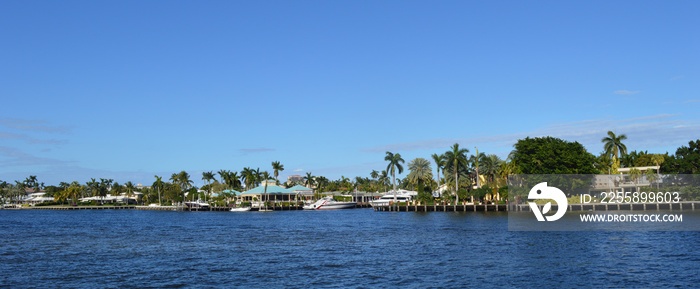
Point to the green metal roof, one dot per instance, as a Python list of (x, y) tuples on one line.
[(270, 190), (299, 188), (231, 192)]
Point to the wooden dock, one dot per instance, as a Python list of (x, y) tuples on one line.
[(441, 208), (680, 206), (72, 208)]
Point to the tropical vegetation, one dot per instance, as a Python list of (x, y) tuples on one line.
[(458, 177)]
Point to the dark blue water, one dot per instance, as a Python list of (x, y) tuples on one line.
[(344, 248)]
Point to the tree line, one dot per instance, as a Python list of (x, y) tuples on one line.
[(479, 176)]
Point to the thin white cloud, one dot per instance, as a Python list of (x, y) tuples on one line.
[(298, 170), (642, 132), (33, 125), (29, 139), (12, 157), (626, 92)]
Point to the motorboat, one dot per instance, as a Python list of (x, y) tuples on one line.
[(387, 199), (328, 203), (199, 204), (240, 209)]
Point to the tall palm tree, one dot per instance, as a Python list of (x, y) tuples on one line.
[(395, 162), (613, 145), (208, 176), (234, 181), (223, 175), (129, 191), (475, 162), (652, 177), (183, 179), (321, 182), (158, 185), (439, 164), (309, 180), (635, 174), (384, 180), (249, 177), (277, 167), (658, 159), (456, 158), (491, 167), (265, 176)]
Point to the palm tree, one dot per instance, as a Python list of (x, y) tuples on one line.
[(658, 159), (129, 191), (491, 167), (454, 159), (635, 174), (309, 180), (395, 161), (439, 164), (266, 176), (475, 162), (184, 181), (158, 185), (208, 176), (223, 175), (249, 177), (384, 179), (234, 181), (321, 181), (652, 177), (93, 185), (277, 167), (420, 171), (613, 145)]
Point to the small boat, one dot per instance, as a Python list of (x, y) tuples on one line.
[(328, 203), (240, 209), (199, 204)]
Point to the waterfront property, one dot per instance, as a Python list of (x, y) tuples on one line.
[(303, 192), (272, 193)]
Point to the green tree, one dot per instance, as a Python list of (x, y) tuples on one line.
[(277, 167), (635, 174), (208, 177), (685, 161), (265, 176), (395, 162), (420, 171), (456, 160), (549, 155), (613, 145), (158, 186), (439, 164), (250, 177), (130, 189), (554, 157)]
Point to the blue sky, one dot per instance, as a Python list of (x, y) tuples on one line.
[(129, 89)]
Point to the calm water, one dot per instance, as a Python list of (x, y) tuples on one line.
[(345, 248)]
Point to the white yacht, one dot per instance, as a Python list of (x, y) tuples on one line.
[(385, 200), (328, 203), (240, 209), (199, 204)]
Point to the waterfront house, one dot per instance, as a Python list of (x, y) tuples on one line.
[(303, 192), (274, 194)]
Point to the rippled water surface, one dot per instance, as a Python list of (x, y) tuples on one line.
[(344, 248)]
